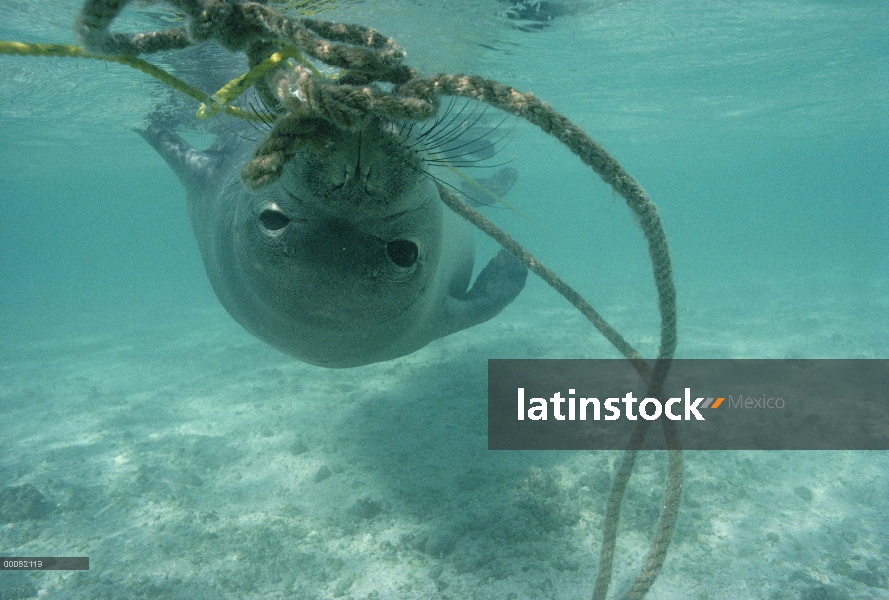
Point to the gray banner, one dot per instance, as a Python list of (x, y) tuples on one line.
[(715, 404), (44, 563)]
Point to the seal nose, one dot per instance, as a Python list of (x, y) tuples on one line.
[(357, 161), (366, 168), (341, 248), (361, 170)]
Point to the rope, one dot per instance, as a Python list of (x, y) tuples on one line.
[(529, 107), (453, 202), (673, 493), (367, 58), (234, 88), (65, 51)]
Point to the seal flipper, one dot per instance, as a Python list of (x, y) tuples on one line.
[(193, 167), (498, 284), (498, 185)]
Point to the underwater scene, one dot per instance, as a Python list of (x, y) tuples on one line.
[(190, 457)]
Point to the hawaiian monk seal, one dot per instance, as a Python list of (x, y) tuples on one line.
[(349, 258)]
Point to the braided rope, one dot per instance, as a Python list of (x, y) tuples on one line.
[(367, 57), (66, 51), (272, 154), (501, 237)]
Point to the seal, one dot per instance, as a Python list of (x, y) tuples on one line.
[(349, 258)]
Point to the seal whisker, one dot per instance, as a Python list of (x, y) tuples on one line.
[(220, 121), (265, 115), (438, 180), (459, 129), (255, 128), (445, 129), (409, 125), (470, 165), (439, 119), (461, 160), (442, 147), (457, 190), (448, 133)]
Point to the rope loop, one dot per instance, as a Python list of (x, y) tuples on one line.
[(312, 105), (349, 106), (229, 23)]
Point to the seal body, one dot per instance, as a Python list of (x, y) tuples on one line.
[(349, 258)]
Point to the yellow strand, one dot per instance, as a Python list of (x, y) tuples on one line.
[(237, 86), (210, 105), (473, 183), (62, 50)]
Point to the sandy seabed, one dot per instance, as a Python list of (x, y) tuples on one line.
[(188, 460)]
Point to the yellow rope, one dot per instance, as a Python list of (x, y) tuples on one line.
[(230, 91), (210, 105), (368, 56), (475, 184), (66, 51)]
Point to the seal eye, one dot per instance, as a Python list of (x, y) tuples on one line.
[(403, 253), (273, 220)]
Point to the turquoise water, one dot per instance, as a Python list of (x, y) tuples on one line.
[(189, 460)]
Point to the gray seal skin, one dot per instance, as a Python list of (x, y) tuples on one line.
[(349, 258)]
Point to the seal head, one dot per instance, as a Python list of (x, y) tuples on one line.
[(349, 258), (358, 225)]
